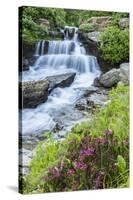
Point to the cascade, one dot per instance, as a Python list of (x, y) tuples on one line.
[(61, 57)]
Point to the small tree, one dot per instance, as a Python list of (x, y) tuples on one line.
[(115, 45)]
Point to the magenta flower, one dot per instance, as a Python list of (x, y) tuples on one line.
[(71, 172), (110, 132), (86, 153), (79, 165), (55, 172), (98, 140)]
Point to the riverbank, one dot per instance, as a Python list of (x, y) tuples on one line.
[(107, 131)]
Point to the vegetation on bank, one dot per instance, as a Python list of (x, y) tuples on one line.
[(114, 45), (94, 155), (32, 30), (114, 41)]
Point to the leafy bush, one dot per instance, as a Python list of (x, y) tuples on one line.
[(94, 155), (87, 27), (115, 45)]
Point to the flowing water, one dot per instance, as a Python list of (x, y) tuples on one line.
[(61, 57)]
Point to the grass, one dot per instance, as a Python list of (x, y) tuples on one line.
[(94, 155)]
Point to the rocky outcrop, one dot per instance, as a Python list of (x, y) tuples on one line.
[(100, 22), (26, 53), (62, 80), (34, 93), (91, 46), (112, 77), (43, 22), (124, 23)]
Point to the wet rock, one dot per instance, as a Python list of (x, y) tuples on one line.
[(96, 82), (96, 99), (90, 45), (34, 93), (124, 22), (62, 80), (25, 64), (88, 91)]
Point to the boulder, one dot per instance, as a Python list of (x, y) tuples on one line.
[(113, 76), (62, 80), (34, 93), (124, 73), (110, 78), (124, 22)]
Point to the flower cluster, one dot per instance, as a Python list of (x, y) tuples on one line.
[(79, 165), (88, 161)]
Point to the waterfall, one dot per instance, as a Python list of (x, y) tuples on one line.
[(67, 53), (37, 51), (54, 58), (42, 47)]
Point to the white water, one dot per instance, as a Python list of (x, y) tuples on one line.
[(63, 56)]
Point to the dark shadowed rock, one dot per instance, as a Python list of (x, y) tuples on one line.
[(96, 82), (25, 64), (34, 93), (62, 80)]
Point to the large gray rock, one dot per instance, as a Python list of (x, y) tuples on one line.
[(110, 78), (124, 73), (113, 76), (124, 22), (62, 80), (34, 93)]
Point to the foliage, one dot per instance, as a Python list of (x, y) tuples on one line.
[(115, 45), (32, 30), (87, 27), (94, 155), (58, 18)]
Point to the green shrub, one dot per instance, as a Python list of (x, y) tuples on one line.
[(87, 27), (115, 45)]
